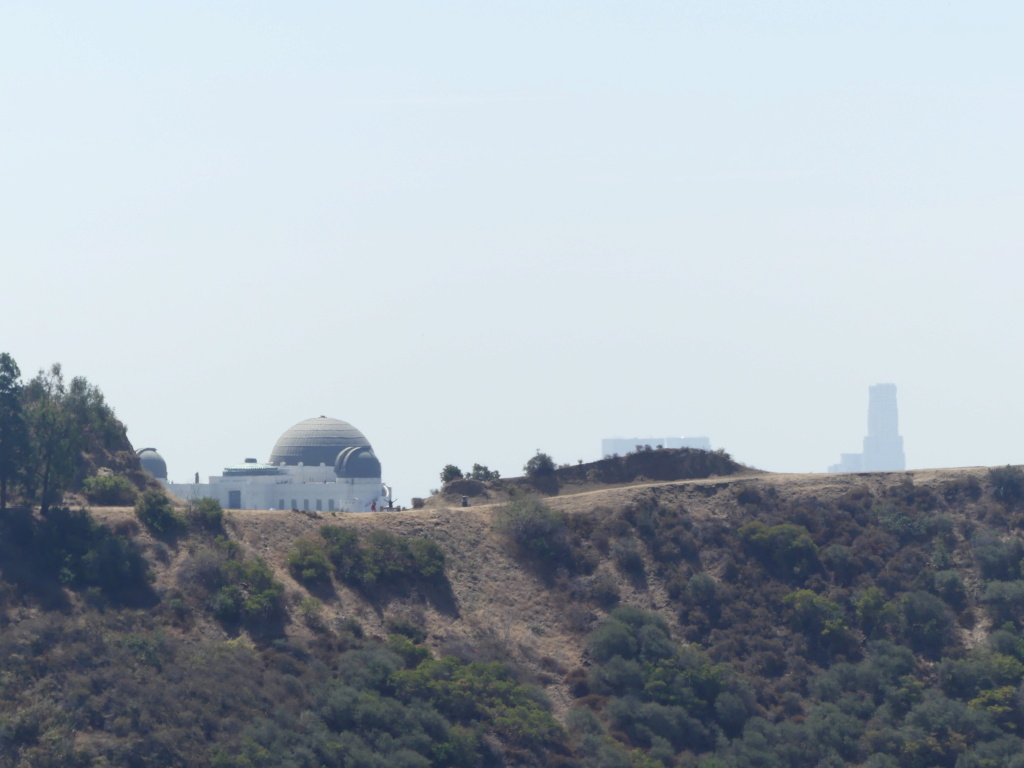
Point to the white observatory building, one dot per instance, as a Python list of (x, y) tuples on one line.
[(320, 464)]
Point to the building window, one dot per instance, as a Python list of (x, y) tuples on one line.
[(295, 504), (319, 505), (330, 504), (280, 504), (305, 504)]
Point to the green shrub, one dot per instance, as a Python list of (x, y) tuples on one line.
[(841, 562), (386, 558), (226, 603), (109, 491), (928, 622), (409, 626), (249, 593), (702, 589), (816, 616), (427, 559), (344, 551), (950, 587), (602, 589), (71, 548), (612, 639), (905, 523), (311, 611), (381, 557), (875, 614), (207, 513), (308, 562), (1007, 484), (1005, 601), (998, 558), (155, 512), (628, 559), (538, 532), (786, 549), (478, 693)]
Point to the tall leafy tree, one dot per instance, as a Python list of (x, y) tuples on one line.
[(63, 422), (13, 432), (55, 434)]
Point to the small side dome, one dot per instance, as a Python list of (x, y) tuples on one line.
[(357, 461), (153, 463)]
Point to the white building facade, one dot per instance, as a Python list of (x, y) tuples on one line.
[(321, 464)]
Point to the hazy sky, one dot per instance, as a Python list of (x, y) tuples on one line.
[(478, 229)]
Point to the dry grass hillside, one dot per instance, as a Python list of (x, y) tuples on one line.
[(736, 619), (499, 607)]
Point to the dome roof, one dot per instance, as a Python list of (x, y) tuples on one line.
[(153, 463), (357, 462), (316, 441)]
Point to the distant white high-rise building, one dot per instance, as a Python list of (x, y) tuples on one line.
[(883, 445)]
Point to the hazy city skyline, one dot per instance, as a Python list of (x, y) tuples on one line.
[(474, 231)]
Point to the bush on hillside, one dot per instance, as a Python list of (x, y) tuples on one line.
[(998, 558), (538, 532), (344, 552), (308, 562), (207, 513), (154, 511), (71, 549), (786, 549), (250, 595), (381, 557), (1007, 484), (109, 491), (628, 558)]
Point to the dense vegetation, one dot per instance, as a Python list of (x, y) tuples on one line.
[(876, 629), (376, 563), (124, 667), (51, 434), (146, 697)]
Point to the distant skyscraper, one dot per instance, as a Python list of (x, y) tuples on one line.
[(883, 446)]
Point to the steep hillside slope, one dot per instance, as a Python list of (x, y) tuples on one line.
[(870, 619)]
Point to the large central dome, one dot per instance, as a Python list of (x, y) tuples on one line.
[(316, 441)]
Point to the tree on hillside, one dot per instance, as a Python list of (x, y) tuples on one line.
[(55, 436), (540, 471), (483, 474), (539, 466), (450, 473), (13, 433), (89, 410)]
